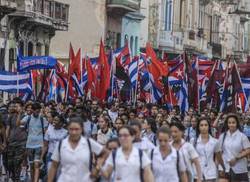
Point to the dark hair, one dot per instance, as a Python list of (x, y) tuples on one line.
[(77, 120), (123, 122), (198, 124), (136, 123), (151, 122), (36, 106), (129, 128), (61, 117), (178, 125), (112, 140), (164, 130), (28, 104), (231, 115), (198, 128)]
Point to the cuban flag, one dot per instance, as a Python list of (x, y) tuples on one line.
[(133, 72), (52, 86), (134, 68), (204, 72), (84, 79), (246, 86), (149, 85), (13, 82), (77, 85), (123, 56), (178, 85)]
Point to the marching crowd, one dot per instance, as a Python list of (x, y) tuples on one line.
[(89, 141)]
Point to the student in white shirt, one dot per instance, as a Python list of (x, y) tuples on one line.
[(128, 163), (207, 147), (55, 133), (235, 148), (167, 164), (187, 151), (74, 154), (140, 142), (105, 132)]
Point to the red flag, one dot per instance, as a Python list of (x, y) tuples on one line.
[(103, 78), (91, 77), (156, 68), (72, 65)]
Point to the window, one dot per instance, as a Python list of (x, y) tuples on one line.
[(11, 59), (38, 49), (21, 48), (58, 11), (118, 40), (46, 50), (30, 49), (132, 45), (168, 15), (136, 45)]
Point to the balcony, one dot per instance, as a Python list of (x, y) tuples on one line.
[(123, 6), (171, 40), (7, 6), (48, 13)]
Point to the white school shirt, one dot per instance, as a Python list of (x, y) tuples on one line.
[(165, 170), (75, 162), (128, 170), (231, 147), (145, 145), (188, 153), (206, 153), (53, 135)]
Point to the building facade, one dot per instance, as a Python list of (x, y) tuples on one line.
[(30, 28)]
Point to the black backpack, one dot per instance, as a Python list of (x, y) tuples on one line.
[(28, 123), (140, 156), (90, 153)]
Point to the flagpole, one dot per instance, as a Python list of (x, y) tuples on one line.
[(170, 95), (198, 86)]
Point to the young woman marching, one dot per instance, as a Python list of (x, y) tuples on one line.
[(74, 154), (167, 163), (128, 163), (186, 150), (235, 148), (208, 150)]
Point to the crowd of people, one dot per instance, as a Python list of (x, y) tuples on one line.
[(87, 141)]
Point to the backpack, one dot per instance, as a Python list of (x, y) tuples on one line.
[(90, 153), (140, 156), (177, 162), (28, 123)]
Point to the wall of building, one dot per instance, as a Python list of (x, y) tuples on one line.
[(87, 25), (131, 31)]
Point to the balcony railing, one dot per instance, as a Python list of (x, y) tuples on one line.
[(124, 6), (52, 9), (11, 4)]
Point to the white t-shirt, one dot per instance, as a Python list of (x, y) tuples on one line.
[(128, 170), (165, 170), (145, 144), (231, 147), (206, 153), (75, 162), (53, 136), (113, 115), (188, 153)]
